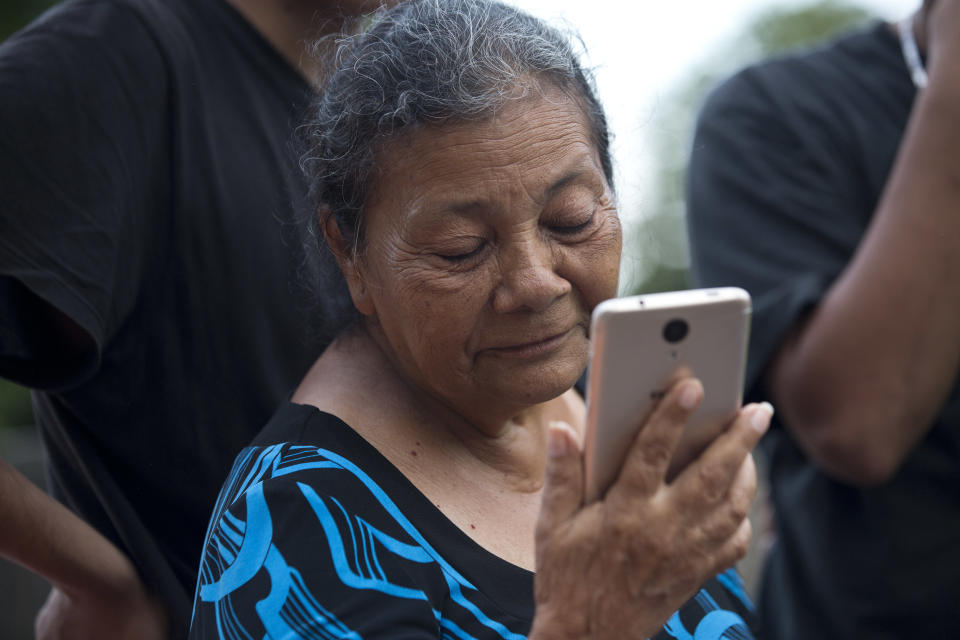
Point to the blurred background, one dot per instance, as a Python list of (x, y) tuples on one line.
[(654, 62), (21, 593)]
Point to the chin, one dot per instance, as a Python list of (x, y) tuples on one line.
[(540, 385)]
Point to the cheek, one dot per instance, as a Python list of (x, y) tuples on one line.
[(436, 312), (595, 264), (429, 292)]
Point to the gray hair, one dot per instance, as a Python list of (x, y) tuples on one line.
[(426, 63)]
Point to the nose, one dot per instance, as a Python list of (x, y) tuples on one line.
[(528, 277)]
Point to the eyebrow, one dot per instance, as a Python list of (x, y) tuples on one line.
[(557, 185), (565, 180), (585, 168)]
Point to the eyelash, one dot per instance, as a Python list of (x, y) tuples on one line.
[(463, 257), (572, 230), (563, 230)]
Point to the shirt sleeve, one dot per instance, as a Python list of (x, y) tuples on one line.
[(769, 207), (314, 559), (81, 135), (721, 609)]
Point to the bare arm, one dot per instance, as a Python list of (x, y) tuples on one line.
[(44, 536), (97, 590), (863, 378)]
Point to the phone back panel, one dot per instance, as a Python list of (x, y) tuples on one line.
[(633, 364)]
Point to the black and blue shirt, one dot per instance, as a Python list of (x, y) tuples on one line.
[(316, 535)]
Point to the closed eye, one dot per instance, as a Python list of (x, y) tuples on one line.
[(462, 257), (571, 229)]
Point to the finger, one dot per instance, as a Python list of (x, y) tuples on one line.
[(708, 478), (46, 623), (722, 520), (563, 485), (649, 456), (744, 489), (734, 549)]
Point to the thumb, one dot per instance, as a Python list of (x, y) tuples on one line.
[(563, 484)]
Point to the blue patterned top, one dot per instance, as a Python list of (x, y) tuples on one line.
[(316, 535)]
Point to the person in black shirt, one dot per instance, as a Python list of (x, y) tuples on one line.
[(825, 183), (429, 461), (148, 258)]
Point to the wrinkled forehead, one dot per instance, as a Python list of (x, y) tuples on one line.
[(525, 152)]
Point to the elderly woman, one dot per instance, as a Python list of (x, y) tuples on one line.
[(425, 481)]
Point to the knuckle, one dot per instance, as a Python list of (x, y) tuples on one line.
[(741, 541), (636, 539), (656, 453), (675, 416), (618, 527), (740, 507), (713, 480)]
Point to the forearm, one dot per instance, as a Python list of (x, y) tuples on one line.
[(865, 376), (44, 536)]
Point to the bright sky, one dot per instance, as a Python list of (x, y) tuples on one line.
[(640, 49)]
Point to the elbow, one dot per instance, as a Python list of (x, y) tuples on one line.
[(853, 449), (857, 429), (851, 454)]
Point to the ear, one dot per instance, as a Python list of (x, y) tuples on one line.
[(348, 261)]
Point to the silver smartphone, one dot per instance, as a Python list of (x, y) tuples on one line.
[(639, 346)]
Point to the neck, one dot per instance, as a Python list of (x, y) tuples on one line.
[(291, 26)]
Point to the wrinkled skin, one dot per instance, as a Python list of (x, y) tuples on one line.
[(486, 246), (479, 239), (618, 568)]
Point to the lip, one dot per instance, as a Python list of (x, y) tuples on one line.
[(534, 349)]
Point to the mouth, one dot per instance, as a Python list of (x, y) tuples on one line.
[(532, 349)]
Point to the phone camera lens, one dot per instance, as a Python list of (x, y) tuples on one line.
[(675, 330)]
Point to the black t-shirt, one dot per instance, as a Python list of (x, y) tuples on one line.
[(317, 535), (789, 161), (150, 192)]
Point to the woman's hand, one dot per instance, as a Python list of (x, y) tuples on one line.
[(618, 568), (127, 615)]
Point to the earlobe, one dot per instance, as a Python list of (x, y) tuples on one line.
[(348, 261)]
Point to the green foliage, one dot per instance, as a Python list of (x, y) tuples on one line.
[(659, 240), (779, 29), (14, 14), (15, 408)]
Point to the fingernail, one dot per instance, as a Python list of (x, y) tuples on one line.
[(760, 419), (558, 443), (689, 396)]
